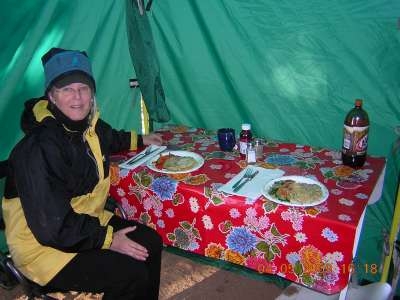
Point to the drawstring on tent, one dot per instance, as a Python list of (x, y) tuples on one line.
[(140, 6), (148, 6)]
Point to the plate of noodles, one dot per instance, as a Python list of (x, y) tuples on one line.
[(295, 191), (175, 162)]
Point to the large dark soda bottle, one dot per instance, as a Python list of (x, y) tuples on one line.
[(355, 136)]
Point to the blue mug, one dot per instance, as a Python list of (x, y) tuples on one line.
[(226, 138)]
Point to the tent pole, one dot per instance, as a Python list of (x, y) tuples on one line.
[(144, 116), (393, 236)]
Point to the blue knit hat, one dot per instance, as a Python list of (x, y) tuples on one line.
[(63, 67)]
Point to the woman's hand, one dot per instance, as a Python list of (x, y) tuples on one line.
[(152, 139), (122, 244)]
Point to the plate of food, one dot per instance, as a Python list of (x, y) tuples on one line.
[(175, 162), (295, 191)]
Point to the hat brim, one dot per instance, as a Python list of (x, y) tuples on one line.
[(73, 77)]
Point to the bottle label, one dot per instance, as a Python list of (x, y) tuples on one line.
[(355, 139)]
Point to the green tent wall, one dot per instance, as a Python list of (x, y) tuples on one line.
[(290, 68)]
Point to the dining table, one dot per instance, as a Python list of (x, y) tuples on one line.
[(313, 246)]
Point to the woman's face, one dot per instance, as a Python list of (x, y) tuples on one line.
[(74, 100)]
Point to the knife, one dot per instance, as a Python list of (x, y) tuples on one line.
[(139, 157), (245, 181)]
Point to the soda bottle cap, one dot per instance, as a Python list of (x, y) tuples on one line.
[(358, 102), (246, 126)]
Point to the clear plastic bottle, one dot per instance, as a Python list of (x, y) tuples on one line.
[(259, 146), (245, 137), (355, 136)]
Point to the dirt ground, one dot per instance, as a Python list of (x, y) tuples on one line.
[(183, 278)]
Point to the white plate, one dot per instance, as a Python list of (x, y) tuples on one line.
[(198, 158), (301, 179)]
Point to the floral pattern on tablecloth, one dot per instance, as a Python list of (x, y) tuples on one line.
[(309, 245)]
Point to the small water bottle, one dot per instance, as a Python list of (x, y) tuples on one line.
[(250, 154)]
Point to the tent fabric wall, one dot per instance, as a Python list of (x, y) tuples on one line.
[(30, 28), (293, 70), (290, 68)]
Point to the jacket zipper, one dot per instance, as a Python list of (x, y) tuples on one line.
[(89, 153)]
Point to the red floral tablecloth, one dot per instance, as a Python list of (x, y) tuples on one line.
[(312, 246)]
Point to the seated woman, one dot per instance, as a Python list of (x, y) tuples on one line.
[(57, 230)]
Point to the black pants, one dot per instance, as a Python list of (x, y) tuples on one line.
[(118, 275)]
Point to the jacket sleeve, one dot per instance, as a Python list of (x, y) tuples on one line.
[(43, 184), (3, 168), (118, 140)]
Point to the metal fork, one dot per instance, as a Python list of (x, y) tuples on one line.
[(246, 174), (245, 181)]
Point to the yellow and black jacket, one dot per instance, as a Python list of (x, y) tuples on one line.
[(53, 204)]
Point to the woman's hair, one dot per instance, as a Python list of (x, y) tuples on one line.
[(93, 109)]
